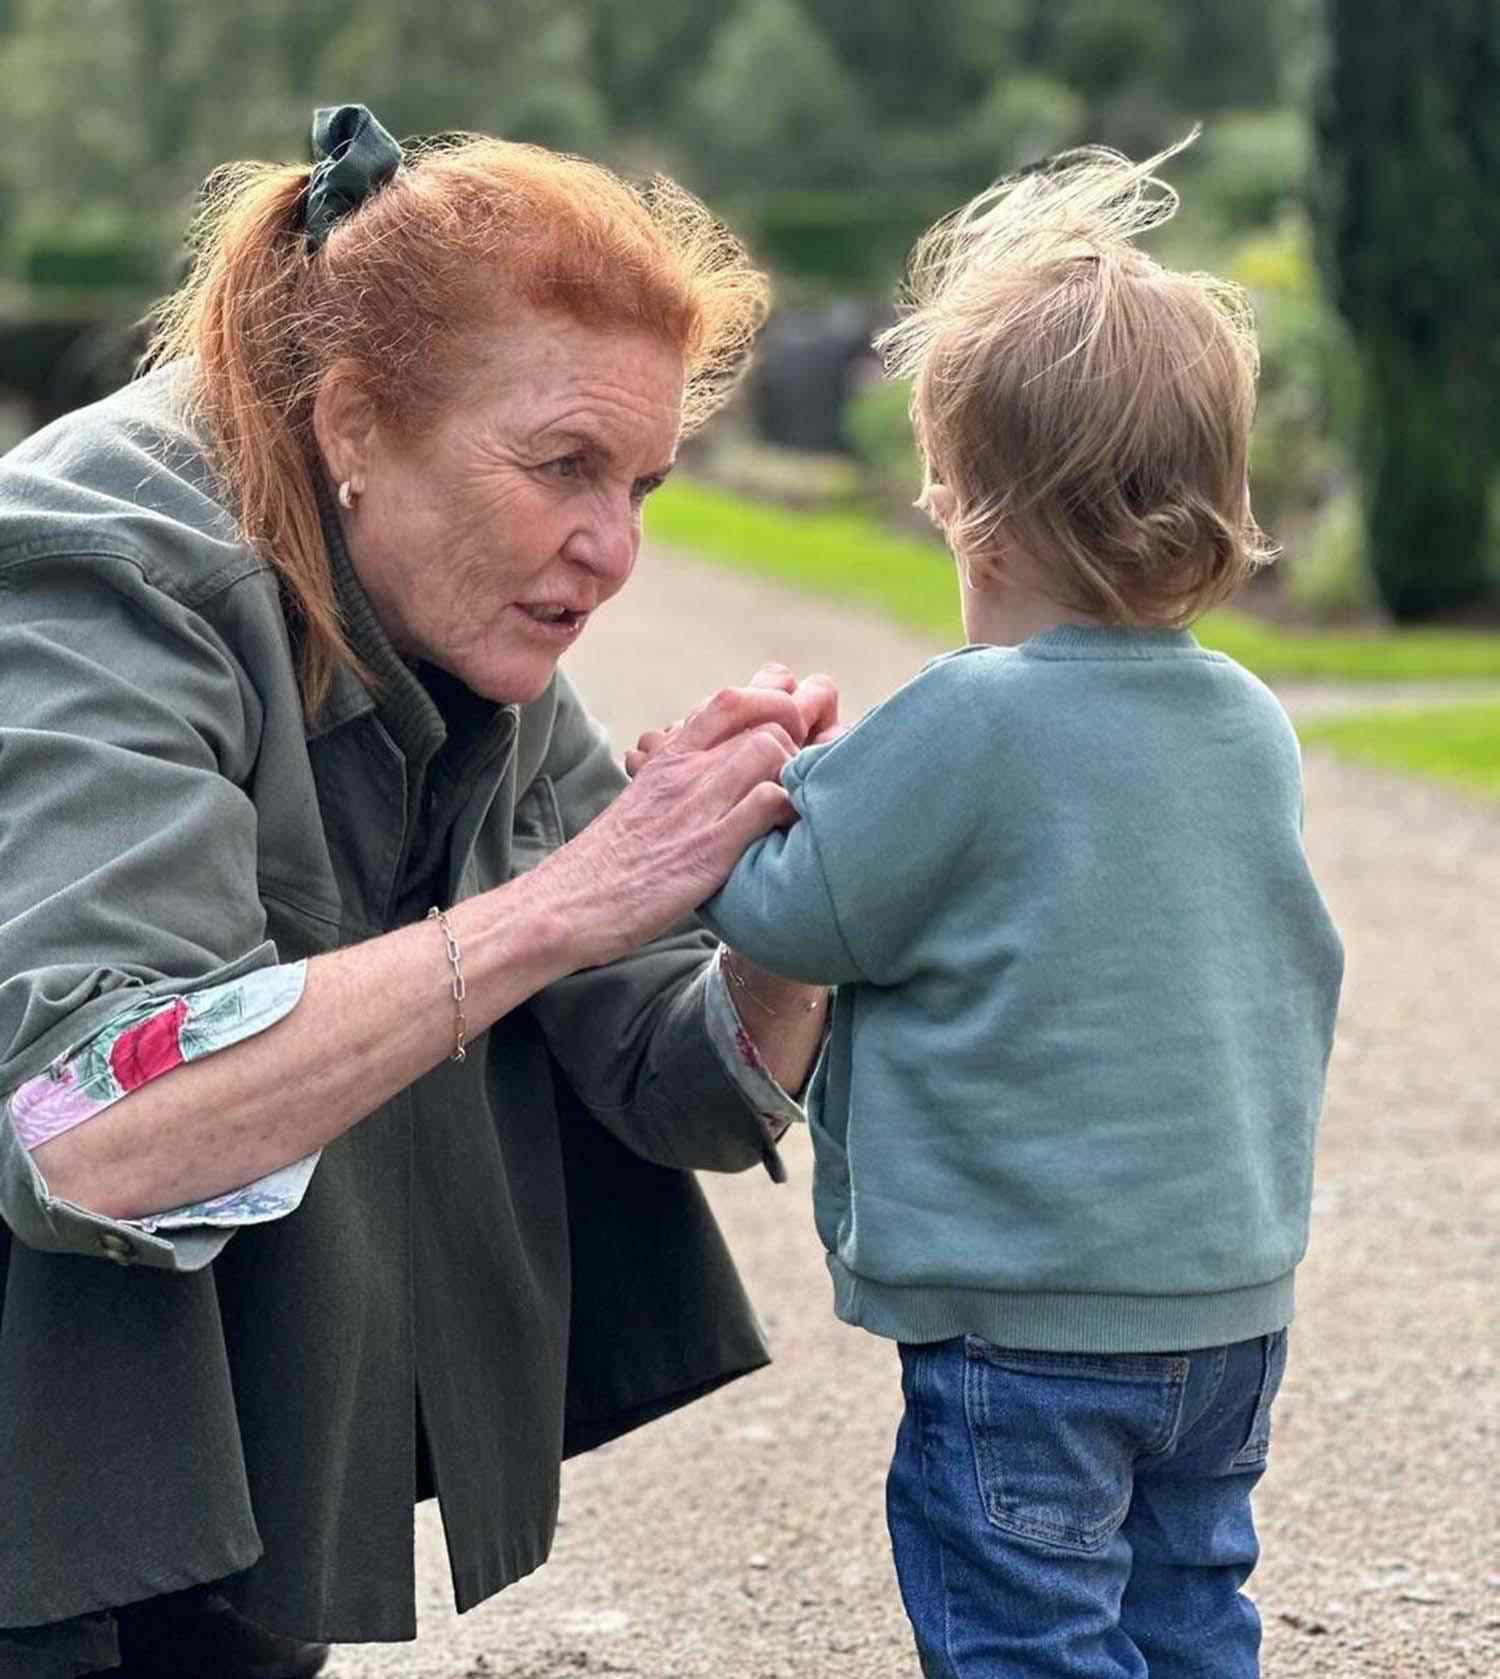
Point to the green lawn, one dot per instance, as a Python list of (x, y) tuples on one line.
[(851, 556), (845, 554), (1454, 743)]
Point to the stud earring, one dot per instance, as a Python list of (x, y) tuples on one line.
[(347, 493)]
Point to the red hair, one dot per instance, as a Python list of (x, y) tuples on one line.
[(397, 296)]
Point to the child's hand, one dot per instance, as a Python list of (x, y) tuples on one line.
[(783, 720), (817, 700)]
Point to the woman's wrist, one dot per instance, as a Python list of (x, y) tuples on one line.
[(519, 932)]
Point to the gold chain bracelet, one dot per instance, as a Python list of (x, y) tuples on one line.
[(456, 962), (736, 978)]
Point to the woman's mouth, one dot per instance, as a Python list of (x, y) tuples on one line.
[(556, 622)]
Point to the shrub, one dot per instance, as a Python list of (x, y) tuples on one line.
[(1307, 376), (880, 430), (1328, 571)]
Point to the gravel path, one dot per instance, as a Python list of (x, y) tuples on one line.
[(743, 1538), (1310, 700)]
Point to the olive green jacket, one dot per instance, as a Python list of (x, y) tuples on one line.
[(516, 1239)]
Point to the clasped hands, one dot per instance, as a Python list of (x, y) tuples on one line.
[(700, 792), (766, 723), (812, 719)]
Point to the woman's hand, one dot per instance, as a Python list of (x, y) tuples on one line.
[(665, 844), (783, 1019), (816, 698), (700, 796)]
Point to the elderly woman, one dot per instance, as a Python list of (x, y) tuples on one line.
[(354, 1032)]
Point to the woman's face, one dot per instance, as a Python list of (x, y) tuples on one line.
[(487, 543)]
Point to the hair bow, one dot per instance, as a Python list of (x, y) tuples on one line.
[(353, 156)]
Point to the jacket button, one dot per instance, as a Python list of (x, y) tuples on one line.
[(116, 1247)]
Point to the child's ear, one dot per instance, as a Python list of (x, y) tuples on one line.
[(987, 567), (939, 503), (974, 573)]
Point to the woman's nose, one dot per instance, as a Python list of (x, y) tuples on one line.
[(608, 545)]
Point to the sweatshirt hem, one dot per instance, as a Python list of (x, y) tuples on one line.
[(1063, 1322)]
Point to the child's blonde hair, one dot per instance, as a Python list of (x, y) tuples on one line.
[(1081, 402)]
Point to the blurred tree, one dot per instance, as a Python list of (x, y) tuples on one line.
[(1306, 374), (831, 132), (1227, 55), (1022, 117), (918, 64), (68, 70), (527, 75), (773, 106), (1299, 33), (1251, 167), (129, 102), (1408, 191), (643, 54), (1100, 49), (125, 103), (1145, 68)]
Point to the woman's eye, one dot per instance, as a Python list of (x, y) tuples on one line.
[(643, 488), (566, 466)]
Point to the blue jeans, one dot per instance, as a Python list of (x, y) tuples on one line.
[(1081, 1515)]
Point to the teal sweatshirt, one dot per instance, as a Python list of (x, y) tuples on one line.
[(1086, 995)]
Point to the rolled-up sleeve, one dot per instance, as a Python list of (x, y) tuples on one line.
[(127, 853), (737, 1049)]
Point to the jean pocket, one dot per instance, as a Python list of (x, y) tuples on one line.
[(1056, 1436), (1273, 1368)]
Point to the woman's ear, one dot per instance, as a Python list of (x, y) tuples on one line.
[(344, 424)]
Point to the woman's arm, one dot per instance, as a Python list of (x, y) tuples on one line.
[(374, 1017), (371, 1019)]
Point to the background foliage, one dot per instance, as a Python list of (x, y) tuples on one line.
[(1347, 175)]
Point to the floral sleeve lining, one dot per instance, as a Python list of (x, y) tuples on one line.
[(150, 1038)]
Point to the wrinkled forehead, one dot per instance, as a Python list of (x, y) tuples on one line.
[(534, 377)]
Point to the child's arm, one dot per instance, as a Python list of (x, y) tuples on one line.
[(777, 907), (884, 817)]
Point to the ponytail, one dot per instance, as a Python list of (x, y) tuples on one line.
[(236, 320)]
